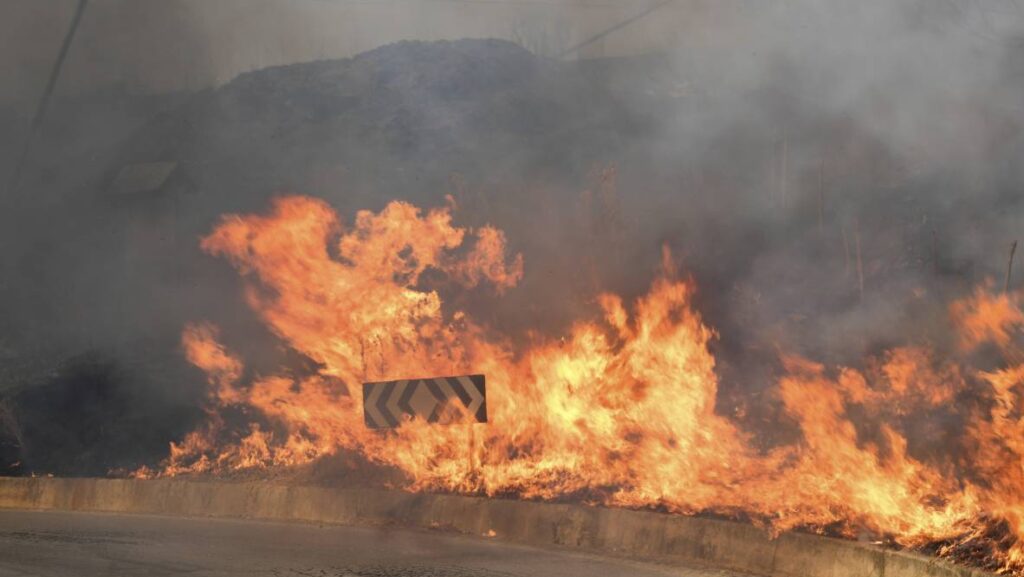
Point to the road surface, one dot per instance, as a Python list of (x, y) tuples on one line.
[(61, 544)]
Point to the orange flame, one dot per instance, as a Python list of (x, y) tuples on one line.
[(620, 411)]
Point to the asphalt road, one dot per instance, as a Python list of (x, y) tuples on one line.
[(86, 545)]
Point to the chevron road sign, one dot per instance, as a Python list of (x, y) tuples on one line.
[(442, 400)]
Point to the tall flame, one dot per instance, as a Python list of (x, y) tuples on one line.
[(620, 411)]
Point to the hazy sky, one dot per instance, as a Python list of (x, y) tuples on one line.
[(162, 45)]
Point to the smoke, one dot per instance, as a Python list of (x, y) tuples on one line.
[(888, 128), (829, 173)]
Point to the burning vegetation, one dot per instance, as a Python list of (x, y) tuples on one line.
[(621, 411)]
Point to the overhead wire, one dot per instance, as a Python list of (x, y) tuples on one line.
[(44, 99)]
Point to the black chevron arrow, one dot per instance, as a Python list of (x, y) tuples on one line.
[(385, 395), (385, 403)]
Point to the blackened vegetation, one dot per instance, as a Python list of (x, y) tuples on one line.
[(10, 440), (981, 548), (85, 419)]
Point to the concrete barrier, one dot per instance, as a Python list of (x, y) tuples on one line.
[(709, 542)]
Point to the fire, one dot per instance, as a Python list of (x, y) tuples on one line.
[(988, 318), (620, 411)]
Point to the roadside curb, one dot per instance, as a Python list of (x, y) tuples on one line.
[(724, 544)]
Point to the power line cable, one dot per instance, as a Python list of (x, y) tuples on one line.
[(44, 100), (614, 28)]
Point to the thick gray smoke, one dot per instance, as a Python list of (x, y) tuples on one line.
[(768, 145)]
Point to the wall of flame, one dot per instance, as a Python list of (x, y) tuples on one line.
[(620, 411)]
